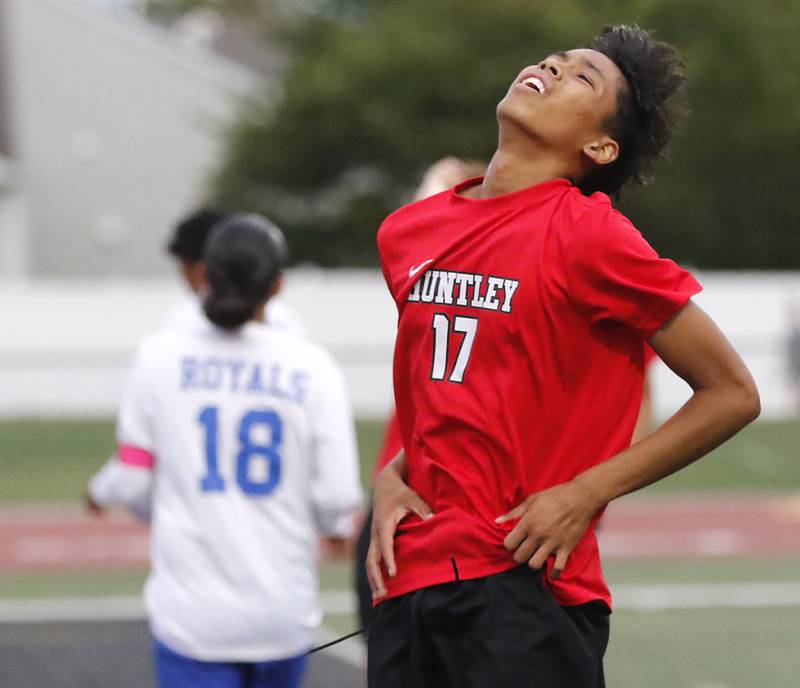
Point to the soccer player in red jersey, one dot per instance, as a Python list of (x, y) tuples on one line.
[(524, 298)]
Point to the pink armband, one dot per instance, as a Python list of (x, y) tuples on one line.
[(135, 456)]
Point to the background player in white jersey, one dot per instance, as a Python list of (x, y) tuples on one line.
[(187, 246), (246, 435)]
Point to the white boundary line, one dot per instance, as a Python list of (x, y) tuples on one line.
[(339, 602), (706, 596), (128, 608), (44, 610)]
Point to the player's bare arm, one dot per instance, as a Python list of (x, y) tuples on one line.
[(724, 400), (392, 502)]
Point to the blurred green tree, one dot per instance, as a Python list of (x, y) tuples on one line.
[(378, 90)]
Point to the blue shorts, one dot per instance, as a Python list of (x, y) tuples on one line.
[(174, 670)]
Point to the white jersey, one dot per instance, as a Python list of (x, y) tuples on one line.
[(108, 486), (250, 441)]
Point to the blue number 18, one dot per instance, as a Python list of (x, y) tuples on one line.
[(249, 450)]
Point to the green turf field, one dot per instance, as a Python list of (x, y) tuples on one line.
[(50, 461), (705, 648)]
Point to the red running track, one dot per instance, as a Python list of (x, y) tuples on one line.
[(59, 539)]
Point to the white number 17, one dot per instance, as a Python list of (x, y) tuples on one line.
[(441, 345)]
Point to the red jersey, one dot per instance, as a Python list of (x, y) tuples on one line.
[(392, 444), (518, 364)]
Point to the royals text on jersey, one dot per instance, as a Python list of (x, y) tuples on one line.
[(240, 376)]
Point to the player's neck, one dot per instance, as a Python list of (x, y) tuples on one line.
[(260, 315), (515, 167)]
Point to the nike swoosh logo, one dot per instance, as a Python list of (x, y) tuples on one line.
[(414, 269)]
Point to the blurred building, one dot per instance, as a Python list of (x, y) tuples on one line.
[(109, 129)]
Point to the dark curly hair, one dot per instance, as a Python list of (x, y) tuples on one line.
[(188, 241), (646, 110)]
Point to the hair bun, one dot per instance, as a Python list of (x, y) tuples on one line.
[(228, 311), (244, 256)]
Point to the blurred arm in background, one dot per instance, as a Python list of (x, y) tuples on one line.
[(126, 479), (444, 174), (118, 483), (335, 485)]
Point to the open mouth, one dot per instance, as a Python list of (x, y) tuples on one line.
[(535, 84)]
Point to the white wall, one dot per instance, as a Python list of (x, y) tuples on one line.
[(754, 310), (14, 246), (65, 346), (116, 126)]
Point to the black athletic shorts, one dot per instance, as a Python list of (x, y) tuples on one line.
[(502, 631)]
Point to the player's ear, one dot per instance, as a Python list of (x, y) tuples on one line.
[(602, 151)]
